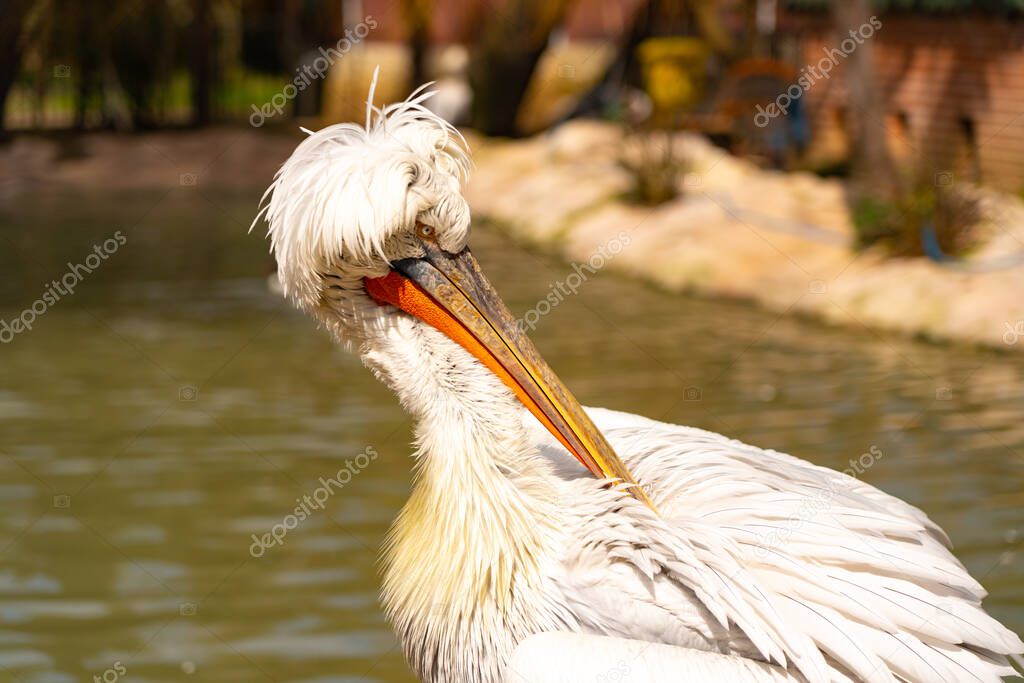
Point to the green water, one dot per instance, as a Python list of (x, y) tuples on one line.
[(170, 408)]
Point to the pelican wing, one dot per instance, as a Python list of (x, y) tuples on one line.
[(574, 657), (760, 555)]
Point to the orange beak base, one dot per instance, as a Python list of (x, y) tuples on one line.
[(403, 293), (449, 293)]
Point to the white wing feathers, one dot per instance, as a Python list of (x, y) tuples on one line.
[(575, 657), (761, 555)]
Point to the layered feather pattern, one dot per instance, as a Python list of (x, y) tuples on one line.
[(864, 588)]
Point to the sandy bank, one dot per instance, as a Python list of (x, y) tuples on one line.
[(781, 240)]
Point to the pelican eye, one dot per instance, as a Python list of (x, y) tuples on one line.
[(425, 231)]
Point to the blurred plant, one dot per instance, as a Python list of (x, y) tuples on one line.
[(654, 167), (648, 153), (900, 225)]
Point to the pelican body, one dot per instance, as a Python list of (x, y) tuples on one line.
[(546, 542)]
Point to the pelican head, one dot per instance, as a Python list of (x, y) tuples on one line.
[(370, 230)]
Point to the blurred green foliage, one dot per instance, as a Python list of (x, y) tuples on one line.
[(654, 167), (899, 225)]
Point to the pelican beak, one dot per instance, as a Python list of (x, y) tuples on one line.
[(450, 293)]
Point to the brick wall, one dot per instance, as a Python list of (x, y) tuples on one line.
[(954, 88), (587, 19)]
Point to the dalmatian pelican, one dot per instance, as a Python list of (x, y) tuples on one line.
[(543, 541)]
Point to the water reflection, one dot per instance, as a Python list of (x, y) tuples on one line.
[(172, 408)]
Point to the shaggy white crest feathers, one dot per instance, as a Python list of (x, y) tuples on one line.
[(347, 191)]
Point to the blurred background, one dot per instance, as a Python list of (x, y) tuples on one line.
[(796, 222)]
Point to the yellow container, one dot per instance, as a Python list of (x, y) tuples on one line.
[(674, 72)]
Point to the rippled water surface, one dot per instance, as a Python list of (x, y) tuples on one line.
[(171, 408)]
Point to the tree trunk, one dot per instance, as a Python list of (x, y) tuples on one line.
[(871, 164), (11, 46), (291, 33), (88, 59), (511, 44), (500, 79), (202, 62), (417, 21)]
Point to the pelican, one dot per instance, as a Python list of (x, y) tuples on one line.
[(543, 541)]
